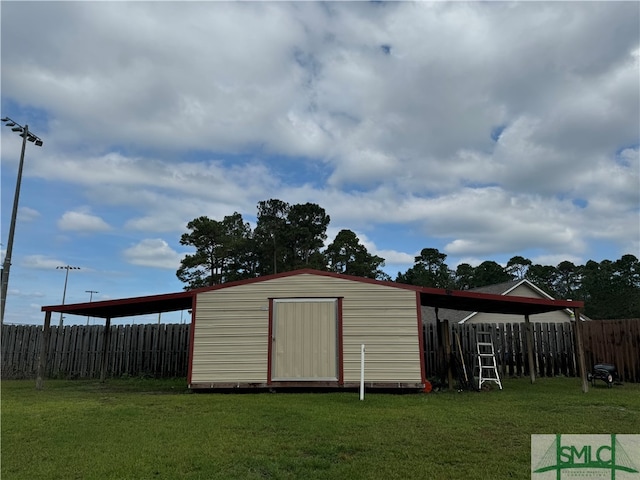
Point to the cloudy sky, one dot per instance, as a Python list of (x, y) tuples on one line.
[(484, 129)]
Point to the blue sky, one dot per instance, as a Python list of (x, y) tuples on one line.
[(486, 130)]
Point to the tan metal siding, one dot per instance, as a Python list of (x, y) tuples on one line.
[(230, 338), (231, 329), (385, 320)]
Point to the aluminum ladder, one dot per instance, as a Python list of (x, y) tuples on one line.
[(487, 366)]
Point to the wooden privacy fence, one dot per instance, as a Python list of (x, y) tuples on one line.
[(163, 350), (554, 351), (616, 342), (553, 348), (157, 350)]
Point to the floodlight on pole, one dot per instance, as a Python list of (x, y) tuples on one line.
[(6, 264), (64, 292)]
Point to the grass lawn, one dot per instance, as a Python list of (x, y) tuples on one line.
[(138, 429)]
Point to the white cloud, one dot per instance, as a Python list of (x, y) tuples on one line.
[(393, 257), (82, 222), (489, 220), (153, 252), (19, 293), (473, 261), (28, 214), (41, 262), (555, 260), (438, 123)]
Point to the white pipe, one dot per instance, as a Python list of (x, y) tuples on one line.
[(362, 372)]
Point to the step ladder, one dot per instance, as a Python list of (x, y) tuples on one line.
[(486, 360)]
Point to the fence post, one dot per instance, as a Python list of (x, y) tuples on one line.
[(580, 350), (105, 349), (529, 334), (44, 351), (446, 338)]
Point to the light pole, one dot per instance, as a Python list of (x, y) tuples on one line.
[(6, 265), (91, 292), (64, 292)]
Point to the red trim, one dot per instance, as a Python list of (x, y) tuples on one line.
[(270, 342), (127, 306), (340, 345), (305, 385), (421, 339), (501, 298), (192, 335)]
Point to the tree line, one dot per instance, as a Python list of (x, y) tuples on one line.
[(610, 289), (289, 237), (286, 237)]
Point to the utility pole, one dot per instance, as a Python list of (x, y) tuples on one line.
[(64, 292), (91, 292)]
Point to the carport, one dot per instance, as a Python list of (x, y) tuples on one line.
[(501, 304), (108, 309), (429, 297)]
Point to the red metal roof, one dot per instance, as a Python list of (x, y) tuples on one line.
[(433, 297), (128, 307)]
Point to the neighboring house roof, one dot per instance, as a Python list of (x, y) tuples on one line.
[(503, 289), (434, 297)]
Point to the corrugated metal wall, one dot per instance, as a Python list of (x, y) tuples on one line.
[(230, 337), (231, 329)]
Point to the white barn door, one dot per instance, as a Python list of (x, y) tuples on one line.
[(305, 332)]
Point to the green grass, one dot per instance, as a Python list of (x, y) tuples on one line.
[(138, 429)]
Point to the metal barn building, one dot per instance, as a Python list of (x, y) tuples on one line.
[(305, 328)]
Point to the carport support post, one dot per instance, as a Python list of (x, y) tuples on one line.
[(44, 351), (580, 350), (532, 366), (105, 349)]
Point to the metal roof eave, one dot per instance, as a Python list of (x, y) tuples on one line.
[(491, 303), (464, 300), (128, 307)]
